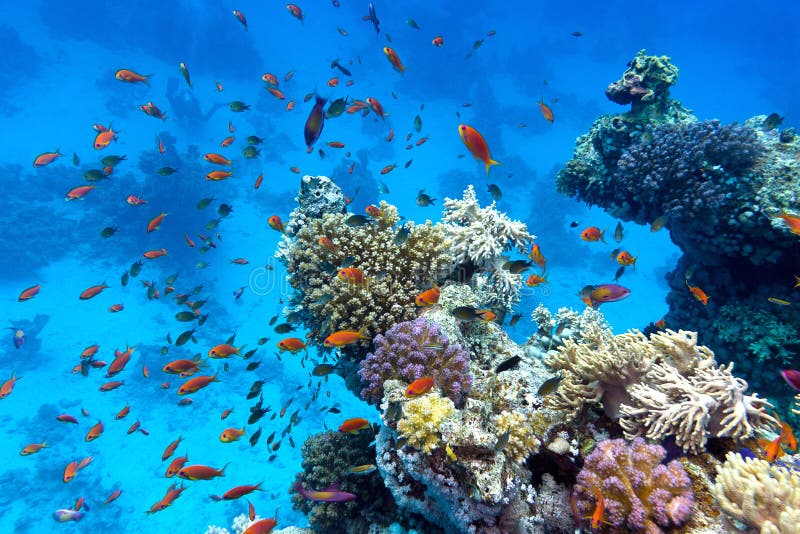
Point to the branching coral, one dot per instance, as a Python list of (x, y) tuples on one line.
[(753, 494), (395, 273), (664, 386), (422, 418), (411, 350), (640, 494)]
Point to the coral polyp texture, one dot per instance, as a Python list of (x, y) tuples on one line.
[(639, 493), (412, 350), (756, 496), (395, 272), (422, 419), (663, 386), (479, 238)]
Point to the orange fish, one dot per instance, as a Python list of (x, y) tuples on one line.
[(375, 106), (121, 359), (476, 144), (535, 279), (153, 254), (599, 510), (661, 324), (70, 471), (438, 40), (345, 337), (593, 234), (46, 158), (390, 136), (114, 308), (420, 386), (188, 240), (196, 384), (373, 211), (231, 434), (92, 291), (429, 297), (241, 491), (225, 413), (624, 258), (228, 141), (123, 412), (176, 465), (269, 78), (486, 315), (275, 223), (33, 448), (109, 386), (354, 425), (95, 432), (79, 192), (66, 418), (217, 176), (698, 293), (217, 159), (291, 344), (351, 275), (170, 450), (125, 75), (224, 350), (327, 243), (8, 386), (394, 59), (29, 293), (536, 256), (155, 222), (333, 82), (135, 201), (295, 170), (113, 497), (791, 221), (389, 168), (240, 261), (201, 472), (421, 141), (258, 181), (773, 449), (295, 11), (547, 113), (290, 105), (181, 366), (161, 148), (335, 144), (103, 139), (277, 93)]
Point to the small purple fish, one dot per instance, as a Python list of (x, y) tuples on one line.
[(792, 378), (19, 336), (66, 514), (330, 494)]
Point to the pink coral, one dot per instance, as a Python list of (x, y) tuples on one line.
[(639, 492)]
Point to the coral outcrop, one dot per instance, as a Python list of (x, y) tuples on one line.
[(756, 496), (639, 493), (666, 385), (412, 350), (420, 424)]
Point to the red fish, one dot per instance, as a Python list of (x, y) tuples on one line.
[(429, 297), (476, 144), (275, 223), (79, 192), (176, 465), (196, 384), (170, 450), (351, 275), (95, 432), (315, 122), (103, 139), (394, 59), (438, 41), (345, 337), (153, 254), (238, 491), (29, 293), (376, 107), (125, 75), (291, 344), (113, 497), (354, 425), (420, 386), (593, 234), (46, 158), (239, 15), (547, 113), (92, 291), (258, 181), (66, 418), (698, 293), (791, 221), (8, 386), (295, 11), (135, 201), (201, 472)]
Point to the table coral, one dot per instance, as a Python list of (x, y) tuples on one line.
[(666, 385), (411, 350), (753, 494), (639, 492)]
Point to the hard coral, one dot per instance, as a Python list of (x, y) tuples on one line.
[(411, 350), (422, 418), (395, 273), (522, 441), (640, 494), (753, 494), (646, 81), (663, 386)]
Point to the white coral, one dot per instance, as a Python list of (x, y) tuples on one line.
[(480, 235)]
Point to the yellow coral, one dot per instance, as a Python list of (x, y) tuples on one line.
[(522, 441), (754, 494), (422, 418)]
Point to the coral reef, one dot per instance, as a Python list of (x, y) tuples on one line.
[(318, 195), (327, 458), (480, 237), (763, 338), (753, 494), (720, 190), (640, 494), (663, 386), (395, 272), (522, 440), (411, 350), (421, 421)]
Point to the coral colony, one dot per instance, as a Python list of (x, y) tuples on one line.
[(578, 427)]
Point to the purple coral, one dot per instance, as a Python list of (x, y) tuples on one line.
[(687, 171), (411, 350), (639, 492)]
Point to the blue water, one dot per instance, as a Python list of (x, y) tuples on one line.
[(57, 70)]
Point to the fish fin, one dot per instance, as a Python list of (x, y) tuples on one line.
[(490, 163)]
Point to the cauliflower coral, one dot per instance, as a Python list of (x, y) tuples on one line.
[(422, 418)]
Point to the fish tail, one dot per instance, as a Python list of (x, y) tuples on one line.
[(490, 163)]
